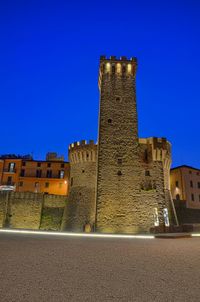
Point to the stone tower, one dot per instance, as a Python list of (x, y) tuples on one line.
[(80, 209), (123, 203)]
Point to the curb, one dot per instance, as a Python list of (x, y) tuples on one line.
[(173, 235)]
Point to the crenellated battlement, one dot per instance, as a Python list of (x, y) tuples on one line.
[(161, 149), (82, 144), (119, 67), (156, 142), (116, 59), (82, 151)]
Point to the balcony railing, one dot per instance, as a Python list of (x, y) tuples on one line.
[(9, 170), (42, 176), (7, 183)]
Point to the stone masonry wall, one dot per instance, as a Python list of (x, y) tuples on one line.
[(128, 188), (3, 208), (80, 208), (52, 212), (26, 210)]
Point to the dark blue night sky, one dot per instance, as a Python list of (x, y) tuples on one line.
[(49, 58)]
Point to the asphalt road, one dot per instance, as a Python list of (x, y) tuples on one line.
[(38, 268)]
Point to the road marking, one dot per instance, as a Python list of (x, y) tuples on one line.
[(91, 235), (196, 235)]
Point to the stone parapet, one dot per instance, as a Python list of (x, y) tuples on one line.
[(82, 151), (119, 67)]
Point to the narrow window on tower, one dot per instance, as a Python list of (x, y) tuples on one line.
[(146, 155), (109, 121), (124, 70), (113, 69), (147, 173), (118, 68), (108, 67), (129, 68), (103, 67)]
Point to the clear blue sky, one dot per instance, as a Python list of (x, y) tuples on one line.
[(49, 58)]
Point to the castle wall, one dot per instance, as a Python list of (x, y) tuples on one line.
[(31, 210), (52, 212), (24, 210), (80, 208), (3, 206), (123, 187)]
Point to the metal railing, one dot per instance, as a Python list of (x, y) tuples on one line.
[(7, 183), (7, 170)]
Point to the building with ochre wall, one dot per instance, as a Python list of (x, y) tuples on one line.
[(120, 185), (21, 174), (185, 189), (185, 186)]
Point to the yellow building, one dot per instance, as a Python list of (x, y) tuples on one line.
[(23, 174), (185, 186)]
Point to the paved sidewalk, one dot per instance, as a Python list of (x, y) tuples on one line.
[(44, 268)]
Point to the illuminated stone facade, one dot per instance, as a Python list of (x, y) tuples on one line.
[(123, 187), (80, 210), (27, 210), (119, 185)]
